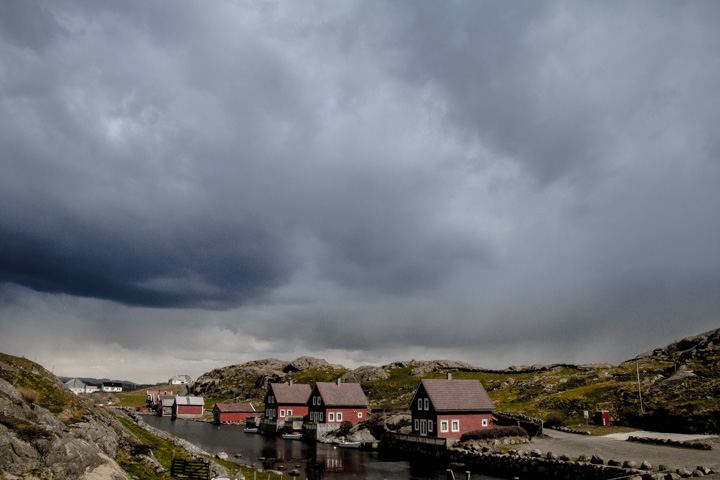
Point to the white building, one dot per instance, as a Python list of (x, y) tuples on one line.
[(180, 380), (76, 386)]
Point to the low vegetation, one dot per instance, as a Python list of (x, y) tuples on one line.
[(37, 386), (564, 391)]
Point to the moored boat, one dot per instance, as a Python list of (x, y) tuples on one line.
[(347, 444)]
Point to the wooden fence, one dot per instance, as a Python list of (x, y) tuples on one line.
[(192, 469)]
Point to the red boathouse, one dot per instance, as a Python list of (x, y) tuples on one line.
[(232, 412)]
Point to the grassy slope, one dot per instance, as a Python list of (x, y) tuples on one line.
[(51, 395), (69, 408), (163, 451), (137, 398), (564, 390)]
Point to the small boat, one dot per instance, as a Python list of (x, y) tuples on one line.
[(292, 436), (347, 444), (251, 430)]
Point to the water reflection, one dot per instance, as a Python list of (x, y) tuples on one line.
[(314, 461)]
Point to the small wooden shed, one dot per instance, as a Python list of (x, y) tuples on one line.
[(602, 417)]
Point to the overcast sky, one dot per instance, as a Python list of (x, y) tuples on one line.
[(186, 185)]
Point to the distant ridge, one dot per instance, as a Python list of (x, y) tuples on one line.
[(99, 381)]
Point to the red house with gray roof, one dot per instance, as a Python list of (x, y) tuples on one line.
[(337, 403), (232, 412), (188, 407), (284, 400), (449, 408)]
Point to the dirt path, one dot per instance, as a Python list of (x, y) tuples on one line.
[(612, 447)]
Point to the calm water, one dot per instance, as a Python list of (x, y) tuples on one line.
[(314, 460)]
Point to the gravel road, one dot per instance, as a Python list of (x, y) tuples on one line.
[(615, 447)]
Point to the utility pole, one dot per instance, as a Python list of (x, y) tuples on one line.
[(637, 369)]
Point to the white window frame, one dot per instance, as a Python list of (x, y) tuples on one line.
[(455, 425), (288, 412), (282, 413), (420, 404), (321, 416), (331, 416), (430, 426), (484, 422), (417, 425), (427, 404), (359, 414), (444, 426), (338, 417)]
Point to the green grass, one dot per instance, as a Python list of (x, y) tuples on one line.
[(137, 398), (51, 395), (163, 450)]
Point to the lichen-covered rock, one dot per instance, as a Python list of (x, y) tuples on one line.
[(365, 374), (78, 441), (33, 441), (306, 363)]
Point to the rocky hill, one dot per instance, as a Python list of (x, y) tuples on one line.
[(48, 432), (250, 380), (679, 381), (696, 348)]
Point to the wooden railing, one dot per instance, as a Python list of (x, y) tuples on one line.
[(192, 469)]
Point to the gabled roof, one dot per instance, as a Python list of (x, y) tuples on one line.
[(455, 395), (243, 407), (297, 393), (180, 400), (75, 383), (345, 394)]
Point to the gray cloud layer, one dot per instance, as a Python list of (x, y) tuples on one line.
[(367, 180)]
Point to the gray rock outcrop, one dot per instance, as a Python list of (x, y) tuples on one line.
[(33, 441), (365, 374)]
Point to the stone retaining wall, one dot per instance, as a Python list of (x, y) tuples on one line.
[(315, 431), (514, 463), (673, 443)]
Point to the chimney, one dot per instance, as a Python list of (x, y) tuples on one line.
[(449, 376)]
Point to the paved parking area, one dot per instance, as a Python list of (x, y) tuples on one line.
[(614, 447)]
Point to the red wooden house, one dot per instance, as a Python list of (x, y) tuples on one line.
[(153, 398), (449, 408), (188, 407), (284, 400), (232, 412), (337, 403)]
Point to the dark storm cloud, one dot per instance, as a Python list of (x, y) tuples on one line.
[(29, 24), (173, 172), (393, 178), (117, 187), (554, 85)]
